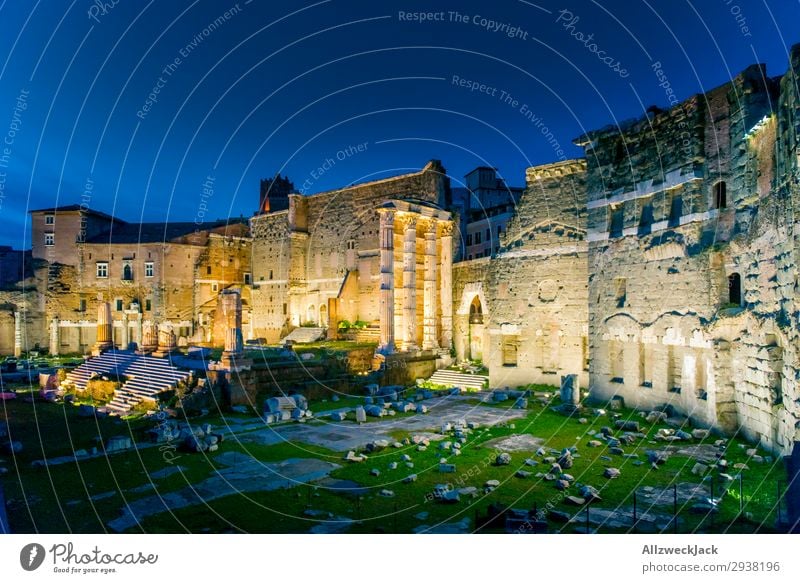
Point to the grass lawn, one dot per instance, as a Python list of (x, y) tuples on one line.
[(57, 499)]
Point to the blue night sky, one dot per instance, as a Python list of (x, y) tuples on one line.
[(296, 87)]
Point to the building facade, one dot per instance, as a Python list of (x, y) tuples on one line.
[(693, 257), (330, 257)]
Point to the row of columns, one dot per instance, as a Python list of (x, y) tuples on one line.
[(437, 234)]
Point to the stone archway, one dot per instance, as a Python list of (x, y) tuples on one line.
[(323, 316)]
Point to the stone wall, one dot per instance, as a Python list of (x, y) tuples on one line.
[(693, 258), (302, 256), (523, 313)]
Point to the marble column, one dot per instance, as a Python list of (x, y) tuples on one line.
[(429, 340), (387, 281), (17, 334), (446, 282), (410, 284), (54, 340), (105, 335), (232, 314)]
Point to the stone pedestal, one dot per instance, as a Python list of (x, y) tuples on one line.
[(149, 338), (105, 338), (570, 391), (167, 342)]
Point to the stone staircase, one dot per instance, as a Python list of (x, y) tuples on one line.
[(147, 377), (370, 334), (304, 335), (452, 378)]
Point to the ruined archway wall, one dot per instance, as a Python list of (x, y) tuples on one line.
[(469, 279), (534, 291), (350, 215)]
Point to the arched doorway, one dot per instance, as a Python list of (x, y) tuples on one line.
[(323, 316), (476, 329), (311, 314)]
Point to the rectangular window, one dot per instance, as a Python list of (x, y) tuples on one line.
[(675, 211), (469, 240), (509, 351), (478, 238), (149, 269), (615, 221), (488, 235), (119, 305), (646, 220), (49, 220), (102, 269), (82, 307), (214, 287), (147, 305), (247, 279), (49, 239), (208, 270)]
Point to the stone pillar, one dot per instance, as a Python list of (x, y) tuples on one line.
[(124, 338), (333, 318), (105, 335), (233, 355), (139, 338), (17, 334), (387, 281), (149, 337), (446, 282), (232, 313), (429, 339), (54, 339), (410, 284)]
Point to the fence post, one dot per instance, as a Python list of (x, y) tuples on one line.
[(675, 508)]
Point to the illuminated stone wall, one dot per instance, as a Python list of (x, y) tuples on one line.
[(692, 258), (524, 312), (301, 256)]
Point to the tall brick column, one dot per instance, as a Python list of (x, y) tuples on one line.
[(429, 340), (410, 283), (446, 282), (387, 281)]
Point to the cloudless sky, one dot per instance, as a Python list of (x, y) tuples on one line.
[(296, 87)]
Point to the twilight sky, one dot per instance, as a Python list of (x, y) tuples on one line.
[(136, 107)]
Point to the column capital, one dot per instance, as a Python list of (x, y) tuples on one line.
[(445, 228), (428, 225), (406, 221), (386, 215)]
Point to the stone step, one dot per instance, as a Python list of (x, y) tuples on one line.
[(450, 378), (306, 335)]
